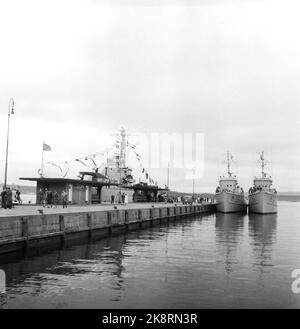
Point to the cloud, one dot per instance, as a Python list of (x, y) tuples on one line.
[(78, 69)]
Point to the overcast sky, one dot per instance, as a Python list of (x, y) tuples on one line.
[(79, 69)]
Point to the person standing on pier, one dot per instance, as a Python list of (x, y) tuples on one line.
[(4, 198), (112, 199), (55, 199), (45, 198), (41, 197), (64, 199), (49, 199), (18, 196)]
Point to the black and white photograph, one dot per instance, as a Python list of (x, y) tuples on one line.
[(149, 157)]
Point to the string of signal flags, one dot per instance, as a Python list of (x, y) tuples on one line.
[(90, 161)]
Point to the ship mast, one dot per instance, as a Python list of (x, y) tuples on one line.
[(262, 158), (228, 164), (123, 148)]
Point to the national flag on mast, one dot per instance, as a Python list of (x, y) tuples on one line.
[(46, 147)]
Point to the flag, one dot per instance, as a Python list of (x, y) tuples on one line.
[(46, 147), (79, 160), (54, 164), (131, 145)]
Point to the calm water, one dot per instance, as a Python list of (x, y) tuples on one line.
[(218, 261)]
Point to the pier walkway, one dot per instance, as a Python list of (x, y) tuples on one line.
[(29, 210)]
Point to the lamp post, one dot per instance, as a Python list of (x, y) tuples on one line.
[(11, 105), (193, 184)]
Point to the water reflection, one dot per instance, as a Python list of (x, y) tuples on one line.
[(88, 266), (52, 272), (262, 235), (229, 231)]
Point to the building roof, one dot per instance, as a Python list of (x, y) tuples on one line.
[(93, 174), (67, 180), (144, 187)]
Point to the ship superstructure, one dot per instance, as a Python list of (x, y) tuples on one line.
[(262, 196), (229, 195)]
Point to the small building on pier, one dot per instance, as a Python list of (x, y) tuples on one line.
[(146, 193), (93, 188), (79, 191)]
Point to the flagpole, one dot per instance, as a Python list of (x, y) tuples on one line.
[(193, 184), (10, 111), (126, 157), (168, 179), (42, 164)]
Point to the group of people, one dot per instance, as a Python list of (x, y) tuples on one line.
[(182, 199), (260, 188), (123, 198), (254, 189), (49, 198), (9, 197), (236, 189)]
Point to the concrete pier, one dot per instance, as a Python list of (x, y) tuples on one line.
[(26, 227)]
